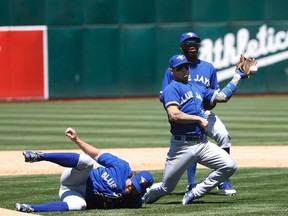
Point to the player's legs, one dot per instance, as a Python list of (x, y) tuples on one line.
[(73, 184), (191, 172), (217, 131), (222, 164), (65, 159), (180, 155)]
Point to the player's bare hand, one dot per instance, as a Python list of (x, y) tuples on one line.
[(71, 133), (204, 123)]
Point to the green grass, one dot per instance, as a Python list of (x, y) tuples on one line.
[(259, 192), (143, 123), (133, 123)]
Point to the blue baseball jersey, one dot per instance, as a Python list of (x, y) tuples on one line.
[(110, 179), (201, 73), (189, 99)]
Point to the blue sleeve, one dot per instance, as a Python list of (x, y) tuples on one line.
[(213, 85), (166, 79), (213, 79), (130, 201), (209, 96), (171, 95), (107, 159)]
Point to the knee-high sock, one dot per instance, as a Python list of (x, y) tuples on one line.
[(51, 207), (65, 159), (191, 170)]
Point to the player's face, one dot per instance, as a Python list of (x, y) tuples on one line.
[(190, 49), (129, 188), (181, 73)]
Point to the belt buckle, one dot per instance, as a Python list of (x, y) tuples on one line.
[(195, 138), (188, 138), (192, 138)]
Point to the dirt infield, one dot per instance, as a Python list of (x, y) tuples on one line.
[(12, 162), (8, 212)]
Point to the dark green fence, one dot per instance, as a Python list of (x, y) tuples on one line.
[(103, 48)]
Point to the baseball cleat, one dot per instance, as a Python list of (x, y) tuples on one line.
[(188, 198), (24, 208), (226, 188), (190, 186), (33, 156), (150, 196)]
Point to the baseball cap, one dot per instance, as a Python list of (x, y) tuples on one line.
[(189, 35), (142, 180), (177, 60)]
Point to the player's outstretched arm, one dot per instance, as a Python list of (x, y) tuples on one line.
[(227, 92), (243, 71), (85, 147)]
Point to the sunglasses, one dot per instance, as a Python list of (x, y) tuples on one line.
[(191, 43)]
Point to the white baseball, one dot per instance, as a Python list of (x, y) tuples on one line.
[(253, 69)]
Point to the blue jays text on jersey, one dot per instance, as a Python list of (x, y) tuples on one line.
[(110, 181), (110, 178), (201, 73)]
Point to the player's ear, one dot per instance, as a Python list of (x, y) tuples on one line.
[(181, 47)]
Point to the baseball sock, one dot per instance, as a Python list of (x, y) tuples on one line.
[(191, 170), (50, 207), (228, 151), (63, 159)]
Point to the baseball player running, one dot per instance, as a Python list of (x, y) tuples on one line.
[(114, 185), (188, 125), (203, 74)]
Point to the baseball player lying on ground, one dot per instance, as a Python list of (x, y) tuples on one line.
[(114, 185), (189, 144)]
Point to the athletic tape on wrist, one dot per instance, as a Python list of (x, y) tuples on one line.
[(229, 89), (242, 75)]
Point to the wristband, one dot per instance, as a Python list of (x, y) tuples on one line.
[(242, 75), (229, 89)]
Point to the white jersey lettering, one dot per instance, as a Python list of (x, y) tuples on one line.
[(188, 95), (203, 80), (110, 181)]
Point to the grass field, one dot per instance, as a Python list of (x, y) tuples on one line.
[(142, 123), (260, 192), (133, 123)]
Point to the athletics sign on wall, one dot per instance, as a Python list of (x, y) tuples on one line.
[(24, 63), (265, 43)]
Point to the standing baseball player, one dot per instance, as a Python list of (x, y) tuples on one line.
[(203, 74), (188, 125), (114, 185)]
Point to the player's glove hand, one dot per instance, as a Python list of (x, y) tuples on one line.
[(244, 65), (107, 202)]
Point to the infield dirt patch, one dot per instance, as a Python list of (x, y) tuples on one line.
[(12, 162)]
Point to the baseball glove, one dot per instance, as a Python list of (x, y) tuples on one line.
[(244, 66), (107, 202)]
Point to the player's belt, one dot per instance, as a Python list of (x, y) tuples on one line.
[(190, 138)]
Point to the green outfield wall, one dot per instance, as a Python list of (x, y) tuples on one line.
[(119, 48)]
